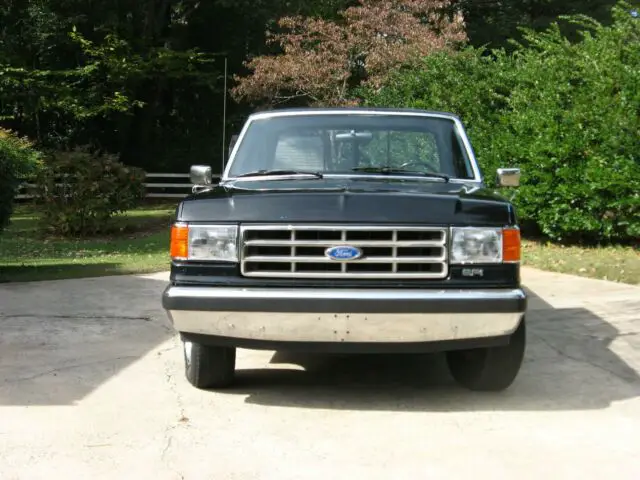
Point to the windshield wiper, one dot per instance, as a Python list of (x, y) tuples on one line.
[(265, 173), (400, 171)]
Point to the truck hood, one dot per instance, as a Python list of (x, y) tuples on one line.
[(349, 200)]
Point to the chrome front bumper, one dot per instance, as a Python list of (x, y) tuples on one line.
[(344, 315)]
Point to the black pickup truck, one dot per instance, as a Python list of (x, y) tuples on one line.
[(349, 230)]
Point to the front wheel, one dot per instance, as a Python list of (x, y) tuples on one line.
[(209, 366), (489, 369)]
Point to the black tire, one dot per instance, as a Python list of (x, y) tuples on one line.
[(208, 366), (489, 369)]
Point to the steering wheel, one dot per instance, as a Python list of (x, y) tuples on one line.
[(419, 165)]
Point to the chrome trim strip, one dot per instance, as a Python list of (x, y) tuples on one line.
[(345, 294), (370, 260), (350, 111)]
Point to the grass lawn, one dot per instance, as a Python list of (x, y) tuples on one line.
[(619, 264), (143, 243), (141, 246)]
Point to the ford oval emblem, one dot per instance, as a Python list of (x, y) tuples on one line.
[(343, 253)]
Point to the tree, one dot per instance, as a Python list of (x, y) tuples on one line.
[(143, 78), (493, 23), (138, 78), (565, 112), (322, 61)]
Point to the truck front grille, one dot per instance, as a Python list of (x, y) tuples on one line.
[(298, 251)]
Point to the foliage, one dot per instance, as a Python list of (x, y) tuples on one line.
[(104, 85), (18, 160), (140, 78), (566, 113), (78, 193), (493, 23), (322, 60), (143, 78)]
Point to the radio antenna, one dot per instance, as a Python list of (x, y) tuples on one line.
[(224, 117)]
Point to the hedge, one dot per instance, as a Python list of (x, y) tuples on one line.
[(567, 114)]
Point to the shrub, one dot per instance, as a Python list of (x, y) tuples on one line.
[(567, 114), (79, 193), (18, 160)]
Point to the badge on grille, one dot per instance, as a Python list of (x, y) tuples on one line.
[(343, 253)]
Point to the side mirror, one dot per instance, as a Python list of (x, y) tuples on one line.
[(508, 177), (200, 175)]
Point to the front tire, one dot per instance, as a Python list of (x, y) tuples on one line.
[(208, 366), (489, 369)]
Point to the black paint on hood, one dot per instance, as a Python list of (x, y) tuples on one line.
[(349, 200)]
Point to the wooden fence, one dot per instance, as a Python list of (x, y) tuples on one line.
[(158, 185)]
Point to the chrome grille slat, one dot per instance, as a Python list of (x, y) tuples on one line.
[(323, 243), (367, 276), (339, 228), (297, 251), (275, 259)]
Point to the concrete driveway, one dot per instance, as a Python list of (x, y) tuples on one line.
[(92, 386)]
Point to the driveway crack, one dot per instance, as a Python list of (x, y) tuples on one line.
[(182, 420)]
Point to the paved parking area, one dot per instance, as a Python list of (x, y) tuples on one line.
[(91, 386)]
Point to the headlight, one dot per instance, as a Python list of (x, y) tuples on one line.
[(476, 245), (205, 242)]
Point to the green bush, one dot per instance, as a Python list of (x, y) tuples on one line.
[(78, 193), (18, 160), (567, 114)]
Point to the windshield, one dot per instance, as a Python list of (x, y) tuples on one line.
[(353, 144)]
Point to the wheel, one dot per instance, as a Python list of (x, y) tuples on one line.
[(208, 366), (489, 369)]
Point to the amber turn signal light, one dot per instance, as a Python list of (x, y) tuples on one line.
[(511, 245), (179, 242)]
